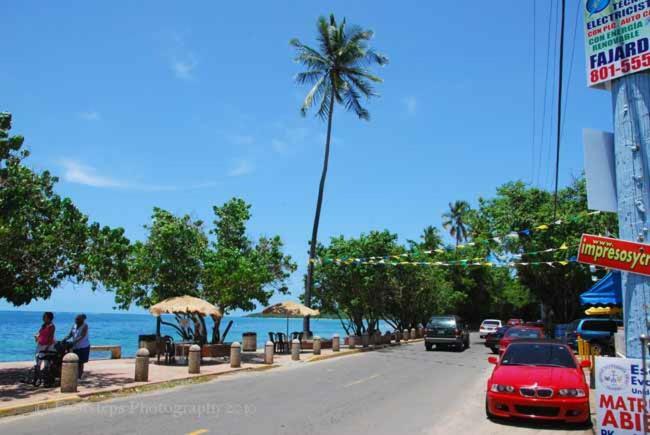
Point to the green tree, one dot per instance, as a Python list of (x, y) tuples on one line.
[(455, 221), (168, 264), (45, 239), (518, 207), (338, 72), (357, 293), (239, 273)]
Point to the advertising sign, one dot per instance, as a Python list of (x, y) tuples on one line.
[(620, 402), (615, 254), (617, 34)]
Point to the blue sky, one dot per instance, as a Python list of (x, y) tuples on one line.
[(183, 106)]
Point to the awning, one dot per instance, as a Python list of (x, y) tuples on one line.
[(606, 292)]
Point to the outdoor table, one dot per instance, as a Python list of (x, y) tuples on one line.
[(184, 347)]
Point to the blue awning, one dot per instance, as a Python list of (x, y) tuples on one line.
[(606, 292)]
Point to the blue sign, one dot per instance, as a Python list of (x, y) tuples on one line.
[(595, 6)]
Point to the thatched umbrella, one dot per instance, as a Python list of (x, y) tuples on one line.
[(289, 309), (188, 305)]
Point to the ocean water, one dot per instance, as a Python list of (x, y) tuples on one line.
[(17, 329)]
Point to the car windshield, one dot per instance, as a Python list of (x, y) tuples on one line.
[(523, 333), (490, 323), (443, 322), (538, 354)]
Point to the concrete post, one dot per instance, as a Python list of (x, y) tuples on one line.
[(398, 337), (365, 340), (142, 365), (268, 352), (295, 349), (406, 335), (69, 373), (420, 332), (414, 334), (194, 360), (235, 355), (316, 345), (336, 343), (351, 342), (631, 103)]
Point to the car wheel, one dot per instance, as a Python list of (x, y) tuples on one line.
[(494, 350), (467, 343), (428, 346)]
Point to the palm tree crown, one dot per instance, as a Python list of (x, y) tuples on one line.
[(339, 68), (455, 220)]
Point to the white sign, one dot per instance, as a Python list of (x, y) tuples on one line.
[(600, 170), (621, 406)]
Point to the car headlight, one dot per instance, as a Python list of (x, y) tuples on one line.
[(498, 388), (572, 392)]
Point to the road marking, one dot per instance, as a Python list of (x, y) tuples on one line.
[(360, 381), (198, 432)]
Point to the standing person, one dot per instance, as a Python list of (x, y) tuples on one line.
[(45, 336), (80, 341)]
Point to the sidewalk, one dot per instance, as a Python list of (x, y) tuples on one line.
[(103, 378)]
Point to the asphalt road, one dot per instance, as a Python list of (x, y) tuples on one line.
[(391, 391)]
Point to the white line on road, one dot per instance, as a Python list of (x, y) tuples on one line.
[(360, 381)]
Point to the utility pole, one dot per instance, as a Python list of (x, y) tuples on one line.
[(617, 48), (631, 104)]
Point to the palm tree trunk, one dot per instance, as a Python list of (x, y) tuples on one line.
[(314, 233)]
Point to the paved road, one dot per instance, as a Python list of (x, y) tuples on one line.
[(397, 390)]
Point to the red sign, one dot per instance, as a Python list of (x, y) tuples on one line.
[(615, 254)]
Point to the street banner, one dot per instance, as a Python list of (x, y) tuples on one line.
[(615, 254), (621, 407), (617, 34), (600, 170)]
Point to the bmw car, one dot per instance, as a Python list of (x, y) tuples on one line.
[(540, 380)]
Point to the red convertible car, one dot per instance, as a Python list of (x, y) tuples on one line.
[(539, 380)]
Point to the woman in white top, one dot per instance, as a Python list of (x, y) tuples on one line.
[(80, 341)]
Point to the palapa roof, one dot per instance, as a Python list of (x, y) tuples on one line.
[(290, 308), (185, 304)]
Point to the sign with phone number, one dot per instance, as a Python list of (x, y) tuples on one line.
[(617, 39)]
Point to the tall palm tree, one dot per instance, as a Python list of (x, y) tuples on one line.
[(337, 71), (454, 220)]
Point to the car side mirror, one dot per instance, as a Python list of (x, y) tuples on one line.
[(493, 359), (585, 364)]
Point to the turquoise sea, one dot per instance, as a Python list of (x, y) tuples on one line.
[(17, 329)]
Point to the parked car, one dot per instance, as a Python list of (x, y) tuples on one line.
[(538, 380), (488, 326), (597, 331), (446, 331), (519, 333), (493, 338), (515, 322)]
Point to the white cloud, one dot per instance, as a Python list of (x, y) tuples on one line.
[(76, 172), (411, 104), (242, 167), (242, 139), (279, 146), (184, 68), (86, 175), (182, 60), (90, 116)]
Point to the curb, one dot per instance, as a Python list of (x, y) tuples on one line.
[(109, 393), (356, 350)]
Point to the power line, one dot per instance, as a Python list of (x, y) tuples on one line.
[(554, 85), (532, 160), (573, 50), (559, 110), (548, 51)]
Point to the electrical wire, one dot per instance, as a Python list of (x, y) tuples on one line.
[(570, 74), (533, 138), (554, 85), (548, 53)]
